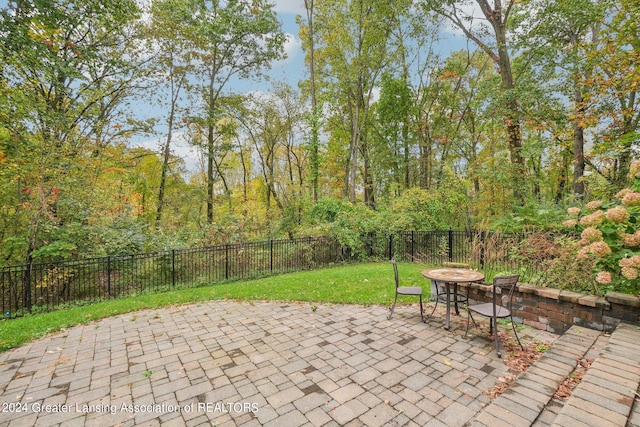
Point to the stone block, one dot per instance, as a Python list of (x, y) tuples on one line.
[(569, 296), (588, 300), (548, 293), (526, 288), (623, 299)]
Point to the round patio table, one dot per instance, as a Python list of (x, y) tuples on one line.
[(454, 276)]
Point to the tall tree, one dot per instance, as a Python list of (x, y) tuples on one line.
[(71, 68), (396, 124), (234, 38), (353, 53), (172, 63), (393, 113), (307, 33), (558, 41), (617, 54), (495, 43)]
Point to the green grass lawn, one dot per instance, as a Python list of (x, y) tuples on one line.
[(365, 284)]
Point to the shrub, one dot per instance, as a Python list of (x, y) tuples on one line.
[(553, 261), (347, 222), (610, 235), (542, 258), (422, 210)]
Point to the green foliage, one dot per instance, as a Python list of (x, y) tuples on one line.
[(545, 216), (123, 236), (352, 224), (327, 210), (610, 234), (423, 210), (68, 69), (55, 250), (347, 222)]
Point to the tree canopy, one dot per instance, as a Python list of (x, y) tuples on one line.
[(535, 111)]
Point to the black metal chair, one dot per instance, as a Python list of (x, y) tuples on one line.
[(504, 286), (405, 290)]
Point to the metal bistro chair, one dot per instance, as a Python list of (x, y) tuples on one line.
[(503, 285), (405, 290)]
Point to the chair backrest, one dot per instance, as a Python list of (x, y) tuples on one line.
[(502, 284), (395, 272)]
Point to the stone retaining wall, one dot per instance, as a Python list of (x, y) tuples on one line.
[(555, 311)]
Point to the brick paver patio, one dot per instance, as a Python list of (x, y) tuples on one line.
[(251, 364)]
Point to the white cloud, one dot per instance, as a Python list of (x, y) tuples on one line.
[(292, 47), (471, 14), (179, 147), (295, 7)]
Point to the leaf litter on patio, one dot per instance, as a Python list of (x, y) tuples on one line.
[(519, 360), (572, 381), (516, 359)]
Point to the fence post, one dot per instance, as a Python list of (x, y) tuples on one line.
[(271, 255), (482, 246), (390, 246), (413, 247), (173, 268), (226, 262), (109, 275), (450, 245), (26, 291)]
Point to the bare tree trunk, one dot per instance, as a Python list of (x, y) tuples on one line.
[(512, 119), (578, 145), (210, 149), (563, 180), (498, 17), (210, 168), (353, 152), (176, 82), (166, 150), (369, 195), (313, 152)]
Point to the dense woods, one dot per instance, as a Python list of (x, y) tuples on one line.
[(538, 113)]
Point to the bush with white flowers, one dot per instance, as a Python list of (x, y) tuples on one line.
[(610, 232)]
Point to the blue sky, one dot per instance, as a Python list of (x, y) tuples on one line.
[(291, 70)]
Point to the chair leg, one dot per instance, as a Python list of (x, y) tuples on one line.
[(437, 300), (434, 310), (495, 336), (455, 298), (513, 325), (393, 306), (466, 331), (469, 317), (422, 311)]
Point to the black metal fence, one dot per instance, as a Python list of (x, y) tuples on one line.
[(48, 286)]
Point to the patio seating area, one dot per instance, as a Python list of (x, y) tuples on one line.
[(273, 364)]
